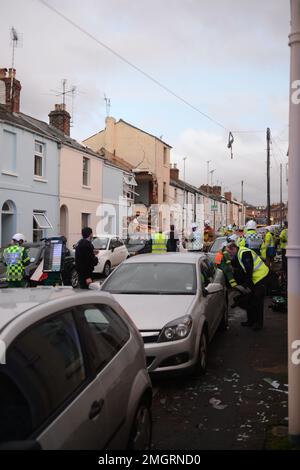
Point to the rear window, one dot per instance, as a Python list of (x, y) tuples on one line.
[(153, 278)]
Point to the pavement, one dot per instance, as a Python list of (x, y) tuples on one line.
[(241, 402)]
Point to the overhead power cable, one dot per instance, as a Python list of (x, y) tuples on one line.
[(138, 69)]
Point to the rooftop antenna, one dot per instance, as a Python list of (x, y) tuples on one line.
[(107, 103), (64, 93), (73, 94), (15, 42)]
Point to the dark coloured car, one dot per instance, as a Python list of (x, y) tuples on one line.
[(138, 246), (36, 254), (216, 246)]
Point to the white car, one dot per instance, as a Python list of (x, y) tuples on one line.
[(178, 301), (110, 251), (72, 372)]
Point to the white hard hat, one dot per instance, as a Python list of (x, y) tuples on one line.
[(232, 238), (194, 225), (206, 222), (251, 225), (229, 227), (18, 236)]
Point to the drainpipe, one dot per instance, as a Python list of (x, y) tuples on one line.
[(293, 248)]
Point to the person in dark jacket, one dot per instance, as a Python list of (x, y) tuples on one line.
[(173, 239), (251, 273), (85, 260)]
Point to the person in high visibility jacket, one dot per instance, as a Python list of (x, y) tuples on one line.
[(251, 239), (270, 247), (283, 244), (251, 273), (159, 242), (16, 259), (223, 262)]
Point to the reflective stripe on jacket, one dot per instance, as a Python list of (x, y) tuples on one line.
[(223, 262), (260, 270), (159, 243)]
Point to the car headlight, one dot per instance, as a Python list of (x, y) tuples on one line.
[(177, 329)]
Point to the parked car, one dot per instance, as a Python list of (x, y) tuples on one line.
[(75, 373), (36, 254), (215, 247), (110, 251), (138, 246), (178, 301)]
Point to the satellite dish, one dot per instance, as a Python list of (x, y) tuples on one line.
[(2, 92)]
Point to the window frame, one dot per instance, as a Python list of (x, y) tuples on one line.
[(40, 155), (86, 171)]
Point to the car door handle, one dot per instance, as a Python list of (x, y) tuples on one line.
[(96, 408)]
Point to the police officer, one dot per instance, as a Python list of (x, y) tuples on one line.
[(251, 273), (16, 259)]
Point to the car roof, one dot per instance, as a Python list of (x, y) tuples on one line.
[(189, 257), (15, 302)]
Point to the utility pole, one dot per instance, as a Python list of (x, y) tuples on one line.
[(242, 192), (293, 247), (268, 178), (211, 176), (281, 194)]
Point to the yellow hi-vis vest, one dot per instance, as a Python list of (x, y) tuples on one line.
[(159, 243), (260, 270)]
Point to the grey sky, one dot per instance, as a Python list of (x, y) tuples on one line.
[(229, 58)]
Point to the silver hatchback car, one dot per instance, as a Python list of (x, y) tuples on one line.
[(177, 301), (73, 372)]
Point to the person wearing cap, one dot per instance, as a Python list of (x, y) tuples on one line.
[(251, 274), (16, 259), (196, 238)]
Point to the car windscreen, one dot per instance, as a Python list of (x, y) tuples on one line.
[(34, 253), (217, 245), (100, 243), (153, 278)]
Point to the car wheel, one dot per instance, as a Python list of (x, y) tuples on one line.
[(141, 430), (106, 269), (200, 367)]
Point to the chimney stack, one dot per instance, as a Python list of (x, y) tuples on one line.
[(60, 118), (10, 89), (174, 172), (228, 196)]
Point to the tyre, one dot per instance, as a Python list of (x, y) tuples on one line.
[(106, 269), (141, 430), (201, 365)]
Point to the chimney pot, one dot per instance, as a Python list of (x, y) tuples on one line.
[(12, 89)]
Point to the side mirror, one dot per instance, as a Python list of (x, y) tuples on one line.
[(213, 288)]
